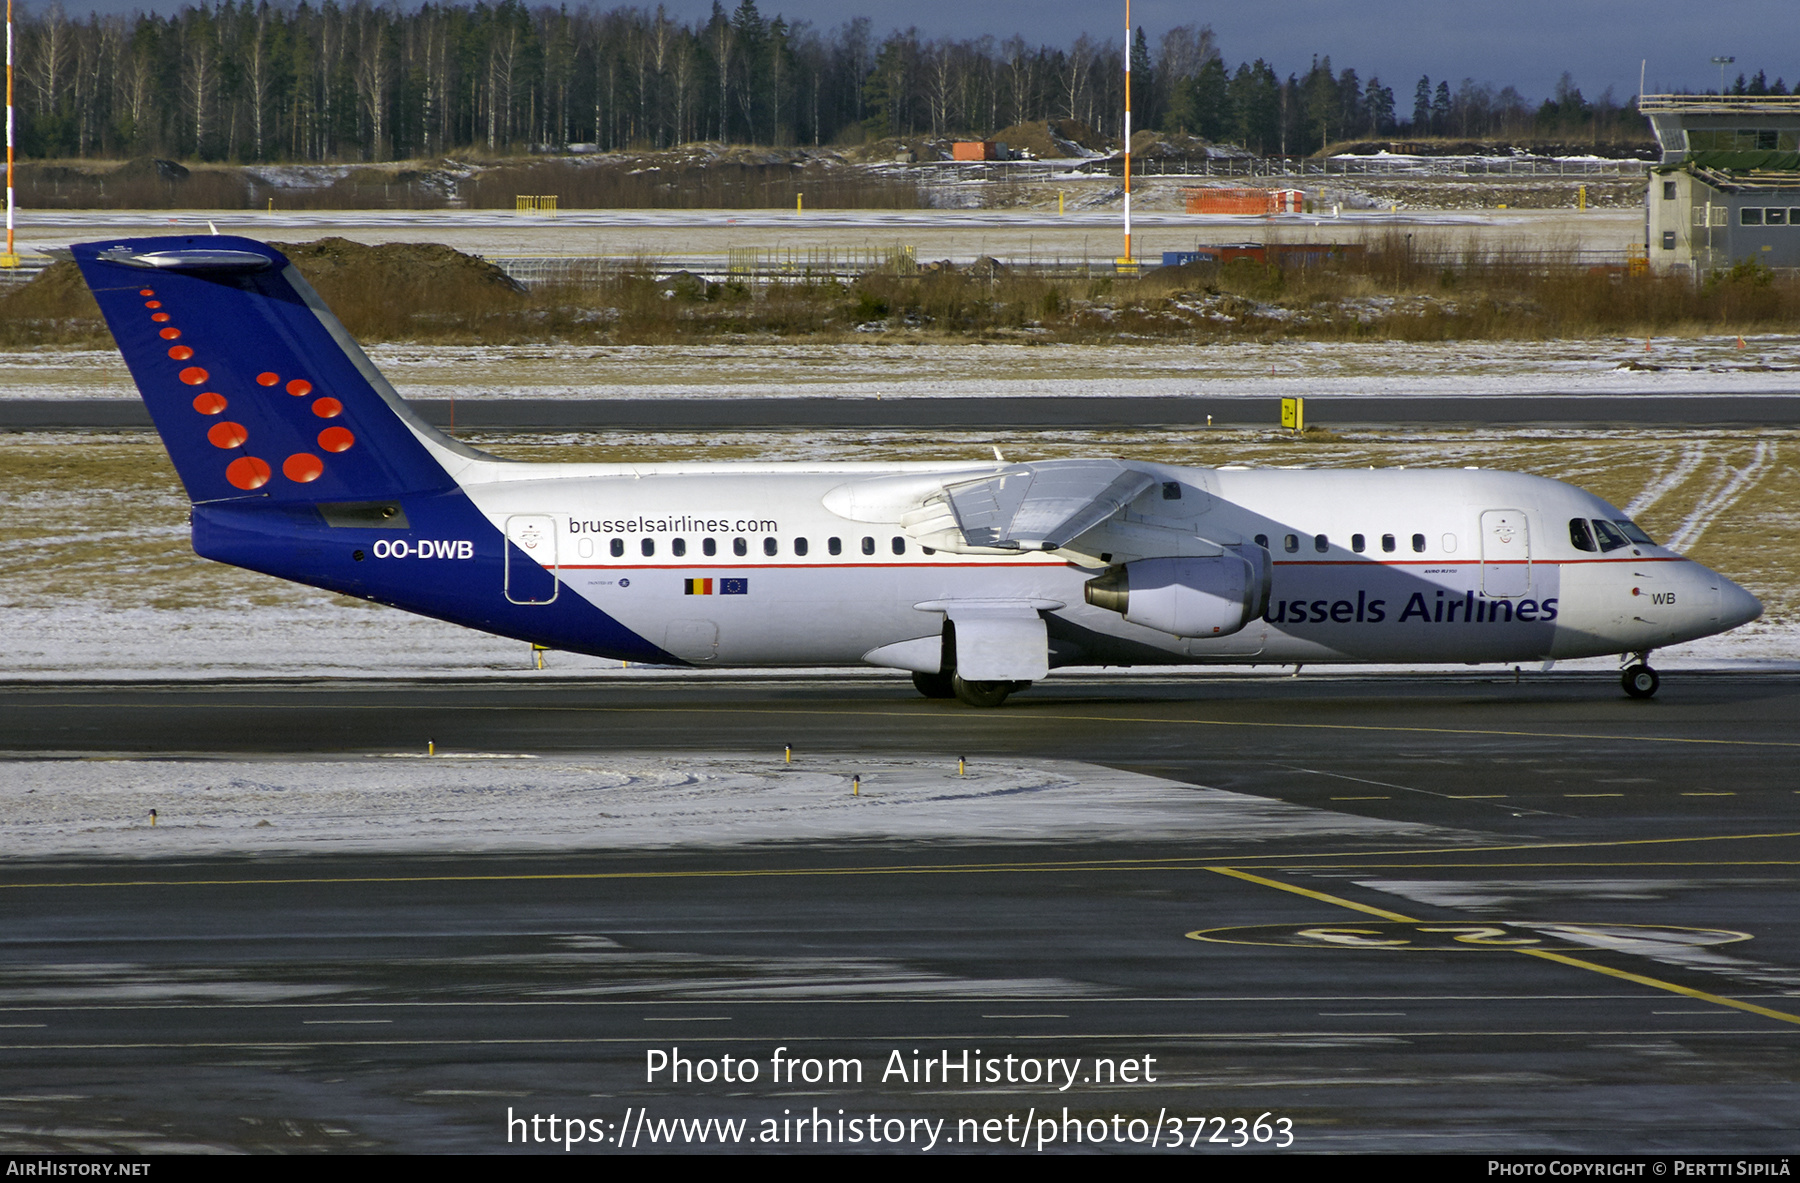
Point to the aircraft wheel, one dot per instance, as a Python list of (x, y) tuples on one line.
[(981, 694), (934, 685), (1640, 681)]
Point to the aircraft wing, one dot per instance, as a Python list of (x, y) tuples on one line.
[(1041, 505)]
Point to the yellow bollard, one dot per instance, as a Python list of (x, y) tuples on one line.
[(1059, 203), (1581, 197), (153, 819), (856, 785), (799, 202), (431, 747), (787, 754), (959, 765)]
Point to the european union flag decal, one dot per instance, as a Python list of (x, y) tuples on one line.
[(734, 587)]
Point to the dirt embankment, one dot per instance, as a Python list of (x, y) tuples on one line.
[(379, 292)]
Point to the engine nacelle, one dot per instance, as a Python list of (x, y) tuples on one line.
[(1189, 597)]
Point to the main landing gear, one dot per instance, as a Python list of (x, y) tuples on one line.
[(1639, 680), (975, 694)]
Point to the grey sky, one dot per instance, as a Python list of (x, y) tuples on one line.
[(1523, 43)]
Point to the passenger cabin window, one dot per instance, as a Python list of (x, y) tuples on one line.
[(679, 546), (1262, 540), (740, 547), (770, 546), (868, 545), (1291, 543), (1418, 544), (648, 547), (899, 545), (1387, 543), (617, 548), (709, 547), (1358, 543), (1609, 536), (1321, 543), (800, 547), (835, 545), (1580, 536)]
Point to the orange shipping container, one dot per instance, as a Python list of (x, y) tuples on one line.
[(973, 150), (1245, 201)]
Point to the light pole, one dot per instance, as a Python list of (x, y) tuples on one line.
[(1719, 62)]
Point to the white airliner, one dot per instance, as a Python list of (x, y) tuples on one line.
[(978, 577)]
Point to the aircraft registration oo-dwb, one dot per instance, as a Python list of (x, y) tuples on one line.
[(980, 577)]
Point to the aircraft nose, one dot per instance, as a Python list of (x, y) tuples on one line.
[(1736, 606)]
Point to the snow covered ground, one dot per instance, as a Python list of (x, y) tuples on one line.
[(410, 802), (1713, 365)]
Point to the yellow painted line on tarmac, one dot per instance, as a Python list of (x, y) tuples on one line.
[(1709, 794), (1308, 892), (925, 712), (1315, 859), (1659, 984), (1542, 954)]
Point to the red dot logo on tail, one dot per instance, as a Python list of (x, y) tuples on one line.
[(247, 472), (209, 403), (267, 379), (299, 387), (194, 375), (181, 353), (327, 408), (336, 439), (227, 434), (302, 467)]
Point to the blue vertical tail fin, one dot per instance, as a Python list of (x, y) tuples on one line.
[(256, 388)]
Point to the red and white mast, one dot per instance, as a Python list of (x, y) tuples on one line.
[(10, 258), (1127, 134)]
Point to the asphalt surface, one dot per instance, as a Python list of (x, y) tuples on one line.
[(1012, 413), (1475, 986)]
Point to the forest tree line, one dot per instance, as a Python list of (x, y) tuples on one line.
[(361, 82)]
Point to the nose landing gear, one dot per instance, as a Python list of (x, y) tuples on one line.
[(1638, 679)]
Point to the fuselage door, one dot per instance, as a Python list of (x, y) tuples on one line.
[(1505, 553), (531, 558)]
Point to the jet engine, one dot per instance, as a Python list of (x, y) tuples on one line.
[(1189, 597)]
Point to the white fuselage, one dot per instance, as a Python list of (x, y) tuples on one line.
[(796, 564)]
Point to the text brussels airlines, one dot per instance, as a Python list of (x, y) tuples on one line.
[(1467, 608)]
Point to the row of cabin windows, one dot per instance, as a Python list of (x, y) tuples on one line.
[(740, 547), (1358, 542)]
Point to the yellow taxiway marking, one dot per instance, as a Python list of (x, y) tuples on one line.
[(1476, 796), (1709, 794), (925, 712), (1314, 860), (1543, 954)]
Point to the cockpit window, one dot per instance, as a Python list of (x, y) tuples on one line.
[(1609, 536), (1580, 535), (1631, 531)]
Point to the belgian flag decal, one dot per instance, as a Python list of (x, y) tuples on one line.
[(698, 587)]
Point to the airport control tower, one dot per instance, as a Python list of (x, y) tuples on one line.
[(1728, 186)]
